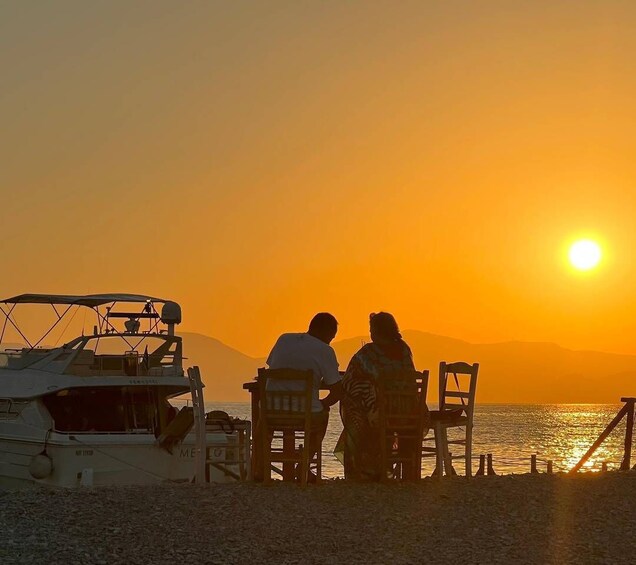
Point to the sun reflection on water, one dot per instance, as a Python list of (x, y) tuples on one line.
[(561, 432)]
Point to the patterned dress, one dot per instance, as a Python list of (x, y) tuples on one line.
[(358, 448)]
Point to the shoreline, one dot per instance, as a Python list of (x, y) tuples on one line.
[(587, 518)]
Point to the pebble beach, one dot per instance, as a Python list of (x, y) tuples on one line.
[(588, 518)]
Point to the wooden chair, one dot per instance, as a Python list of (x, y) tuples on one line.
[(402, 411), (456, 409), (285, 415)]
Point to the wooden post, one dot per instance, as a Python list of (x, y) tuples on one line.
[(533, 463), (200, 449), (629, 403), (482, 466), (491, 470), (601, 438), (550, 467), (254, 439)]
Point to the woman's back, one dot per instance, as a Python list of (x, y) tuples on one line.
[(359, 444), (374, 359)]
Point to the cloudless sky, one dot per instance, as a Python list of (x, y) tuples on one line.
[(262, 161)]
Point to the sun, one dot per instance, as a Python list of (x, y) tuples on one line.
[(585, 254)]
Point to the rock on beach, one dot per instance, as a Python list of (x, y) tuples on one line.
[(588, 518)]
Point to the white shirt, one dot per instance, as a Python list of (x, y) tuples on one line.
[(302, 351)]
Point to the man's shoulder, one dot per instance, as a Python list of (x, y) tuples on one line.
[(296, 341), (290, 337), (306, 343), (303, 337), (318, 344)]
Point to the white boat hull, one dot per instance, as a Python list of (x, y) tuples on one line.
[(112, 459)]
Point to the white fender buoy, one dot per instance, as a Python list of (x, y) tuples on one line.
[(41, 466)]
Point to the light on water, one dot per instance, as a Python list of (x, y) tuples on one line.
[(512, 433)]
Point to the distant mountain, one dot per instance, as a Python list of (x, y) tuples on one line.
[(512, 372), (223, 369), (523, 372)]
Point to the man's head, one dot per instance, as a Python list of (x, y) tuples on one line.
[(323, 326)]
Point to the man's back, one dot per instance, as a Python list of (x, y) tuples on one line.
[(303, 351)]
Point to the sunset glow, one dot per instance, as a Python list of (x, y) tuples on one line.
[(259, 165)]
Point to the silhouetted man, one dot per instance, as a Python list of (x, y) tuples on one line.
[(312, 351)]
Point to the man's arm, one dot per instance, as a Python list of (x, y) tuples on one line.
[(335, 394), (331, 378)]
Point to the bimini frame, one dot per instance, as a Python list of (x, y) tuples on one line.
[(62, 305)]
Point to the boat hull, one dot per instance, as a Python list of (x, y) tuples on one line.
[(112, 459)]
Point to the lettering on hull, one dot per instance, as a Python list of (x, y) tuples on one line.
[(188, 452)]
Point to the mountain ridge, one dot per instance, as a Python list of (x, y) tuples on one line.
[(510, 372)]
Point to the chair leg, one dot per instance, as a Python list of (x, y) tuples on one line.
[(304, 459), (255, 468), (417, 460), (315, 455), (266, 455), (448, 463), (409, 450), (318, 464), (289, 449), (469, 451), (439, 461), (384, 459), (418, 457)]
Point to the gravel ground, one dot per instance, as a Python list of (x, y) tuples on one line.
[(511, 519)]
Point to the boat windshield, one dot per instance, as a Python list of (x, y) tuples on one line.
[(124, 409), (148, 355)]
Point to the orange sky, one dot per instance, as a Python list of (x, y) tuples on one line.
[(259, 162)]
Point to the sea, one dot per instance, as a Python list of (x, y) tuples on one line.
[(512, 433)]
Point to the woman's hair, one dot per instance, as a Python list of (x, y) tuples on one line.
[(384, 326)]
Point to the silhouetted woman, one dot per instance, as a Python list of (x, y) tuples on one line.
[(359, 445)]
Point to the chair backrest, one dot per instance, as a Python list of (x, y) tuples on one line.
[(286, 394), (402, 398), (457, 386)]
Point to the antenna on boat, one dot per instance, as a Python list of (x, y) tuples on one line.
[(171, 315)]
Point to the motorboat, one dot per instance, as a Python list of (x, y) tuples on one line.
[(99, 409)]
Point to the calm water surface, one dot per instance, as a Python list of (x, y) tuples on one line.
[(512, 433)]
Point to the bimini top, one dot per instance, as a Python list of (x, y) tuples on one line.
[(90, 300)]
